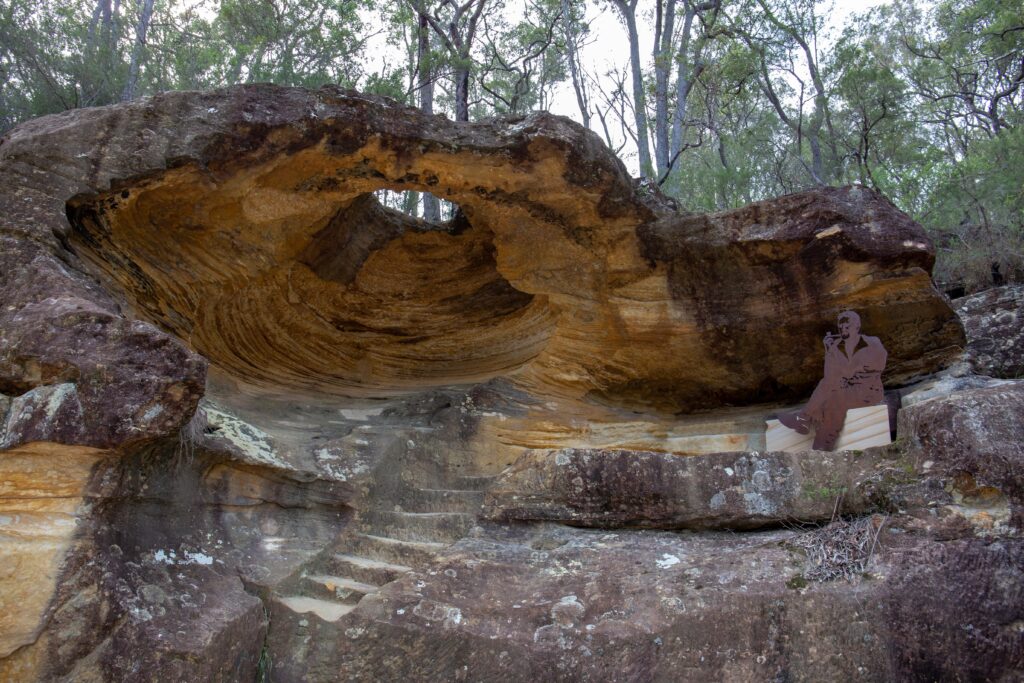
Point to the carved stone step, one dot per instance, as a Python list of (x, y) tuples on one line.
[(409, 553), (338, 588), (365, 569), (475, 482), (418, 526), (442, 500), (328, 610)]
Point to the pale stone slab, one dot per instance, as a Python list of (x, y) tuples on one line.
[(328, 611), (864, 427)]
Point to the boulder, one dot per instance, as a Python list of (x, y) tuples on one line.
[(286, 272), (995, 330), (222, 359), (973, 441), (78, 372)]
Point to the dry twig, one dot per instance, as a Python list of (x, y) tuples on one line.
[(841, 549)]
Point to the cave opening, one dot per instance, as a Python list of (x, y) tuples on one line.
[(419, 204)]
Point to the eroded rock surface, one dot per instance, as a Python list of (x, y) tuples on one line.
[(618, 488), (995, 331), (575, 605), (975, 439), (241, 221), (246, 411)]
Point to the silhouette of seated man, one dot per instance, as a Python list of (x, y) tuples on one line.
[(853, 379)]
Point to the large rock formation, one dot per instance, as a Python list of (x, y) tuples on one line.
[(247, 410), (992, 319)]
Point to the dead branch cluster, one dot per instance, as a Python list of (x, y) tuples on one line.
[(841, 549)]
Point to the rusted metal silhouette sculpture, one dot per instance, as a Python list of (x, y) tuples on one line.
[(853, 379)]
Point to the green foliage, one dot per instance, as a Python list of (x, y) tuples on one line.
[(292, 42), (521, 60), (62, 55), (976, 213), (921, 102)]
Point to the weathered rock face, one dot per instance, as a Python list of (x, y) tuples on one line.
[(241, 222), (245, 411), (617, 488), (995, 331), (974, 439), (557, 604)]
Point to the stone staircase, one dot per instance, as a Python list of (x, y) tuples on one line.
[(382, 544)]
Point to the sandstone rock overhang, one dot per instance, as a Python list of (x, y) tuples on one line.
[(242, 222)]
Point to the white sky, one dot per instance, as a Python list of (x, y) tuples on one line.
[(607, 49)]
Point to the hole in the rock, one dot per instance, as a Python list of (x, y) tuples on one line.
[(423, 205), (335, 291)]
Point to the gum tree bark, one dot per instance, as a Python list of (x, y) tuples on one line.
[(431, 205), (628, 12), (145, 16)]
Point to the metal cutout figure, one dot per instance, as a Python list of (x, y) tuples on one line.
[(853, 379)]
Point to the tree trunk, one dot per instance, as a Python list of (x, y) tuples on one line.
[(639, 100), (685, 78), (102, 9), (817, 171), (574, 68), (145, 14), (431, 205), (462, 93), (664, 28), (425, 83)]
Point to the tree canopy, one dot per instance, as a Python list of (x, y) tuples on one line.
[(720, 102)]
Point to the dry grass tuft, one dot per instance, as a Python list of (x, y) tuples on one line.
[(188, 436)]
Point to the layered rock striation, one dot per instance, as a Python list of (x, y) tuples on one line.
[(243, 222)]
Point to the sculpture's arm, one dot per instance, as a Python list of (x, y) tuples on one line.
[(874, 359)]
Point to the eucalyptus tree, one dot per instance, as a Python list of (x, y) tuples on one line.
[(965, 66), (686, 51), (522, 59), (456, 25), (872, 105), (784, 35), (293, 42), (574, 31), (627, 10), (145, 15)]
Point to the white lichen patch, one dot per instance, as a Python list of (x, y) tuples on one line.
[(667, 561), (435, 612), (197, 558), (340, 465), (171, 557), (757, 504), (253, 443), (40, 408), (152, 413)]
